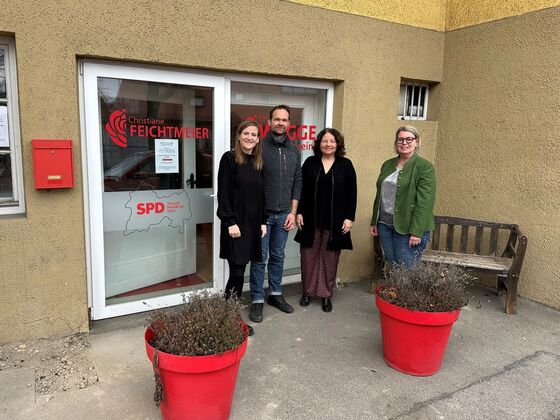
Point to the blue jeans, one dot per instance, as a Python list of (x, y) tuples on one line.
[(395, 246), (275, 242)]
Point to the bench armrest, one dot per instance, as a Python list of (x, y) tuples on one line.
[(517, 237)]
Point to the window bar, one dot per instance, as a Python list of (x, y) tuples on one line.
[(425, 114), (404, 102), (405, 114), (417, 97), (410, 100), (414, 100), (422, 96), (411, 104), (420, 101)]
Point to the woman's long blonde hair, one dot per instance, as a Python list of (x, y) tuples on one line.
[(240, 158)]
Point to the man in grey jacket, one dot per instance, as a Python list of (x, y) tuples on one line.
[(282, 189)]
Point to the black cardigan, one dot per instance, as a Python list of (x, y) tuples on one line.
[(343, 203), (241, 203)]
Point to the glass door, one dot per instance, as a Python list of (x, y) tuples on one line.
[(309, 102), (153, 144)]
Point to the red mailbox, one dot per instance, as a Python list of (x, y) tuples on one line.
[(53, 164)]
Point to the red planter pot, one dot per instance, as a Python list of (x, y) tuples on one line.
[(197, 387), (414, 342)]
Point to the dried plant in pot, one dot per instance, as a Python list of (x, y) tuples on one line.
[(418, 306), (195, 350)]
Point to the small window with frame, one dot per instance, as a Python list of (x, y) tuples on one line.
[(413, 101), (11, 177)]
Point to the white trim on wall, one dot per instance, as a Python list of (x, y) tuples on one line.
[(16, 206)]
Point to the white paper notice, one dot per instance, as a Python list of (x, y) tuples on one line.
[(167, 156), (4, 139)]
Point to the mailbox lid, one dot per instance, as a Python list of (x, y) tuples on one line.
[(51, 144)]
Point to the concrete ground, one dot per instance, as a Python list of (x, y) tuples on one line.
[(313, 365)]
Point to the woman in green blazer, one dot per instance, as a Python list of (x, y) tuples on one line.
[(404, 204)]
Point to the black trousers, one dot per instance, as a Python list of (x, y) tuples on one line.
[(234, 286)]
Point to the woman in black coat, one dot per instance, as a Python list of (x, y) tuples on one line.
[(241, 205), (326, 211)]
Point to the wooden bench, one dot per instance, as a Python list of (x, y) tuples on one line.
[(481, 256)]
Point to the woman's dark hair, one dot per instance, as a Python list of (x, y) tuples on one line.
[(338, 137), (284, 107)]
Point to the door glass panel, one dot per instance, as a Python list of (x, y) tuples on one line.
[(6, 185), (2, 74), (157, 151), (6, 189), (307, 117)]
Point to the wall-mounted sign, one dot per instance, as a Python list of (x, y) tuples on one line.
[(121, 126), (167, 156)]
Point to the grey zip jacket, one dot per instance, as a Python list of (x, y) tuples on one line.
[(281, 173)]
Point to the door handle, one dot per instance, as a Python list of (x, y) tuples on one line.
[(213, 195), (191, 181)]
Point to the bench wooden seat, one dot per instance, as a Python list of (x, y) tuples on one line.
[(478, 262), (480, 255)]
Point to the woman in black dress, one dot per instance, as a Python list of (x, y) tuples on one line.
[(241, 205), (325, 215)]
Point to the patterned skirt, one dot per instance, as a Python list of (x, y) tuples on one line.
[(318, 267)]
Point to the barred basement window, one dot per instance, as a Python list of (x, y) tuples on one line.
[(11, 179), (413, 101)]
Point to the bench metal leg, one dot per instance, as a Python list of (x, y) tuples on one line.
[(511, 294)]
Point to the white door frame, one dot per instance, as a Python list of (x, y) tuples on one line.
[(93, 178), (328, 86), (92, 171)]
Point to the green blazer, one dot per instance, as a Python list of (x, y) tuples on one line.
[(415, 196)]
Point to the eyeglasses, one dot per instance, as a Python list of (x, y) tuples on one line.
[(408, 140)]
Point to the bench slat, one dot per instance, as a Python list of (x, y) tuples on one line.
[(480, 262), (464, 238), (478, 239), (435, 239), (449, 238), (493, 241)]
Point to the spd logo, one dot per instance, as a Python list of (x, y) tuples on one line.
[(116, 127), (150, 207)]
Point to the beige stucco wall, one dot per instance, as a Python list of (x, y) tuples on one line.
[(497, 153), (43, 253)]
